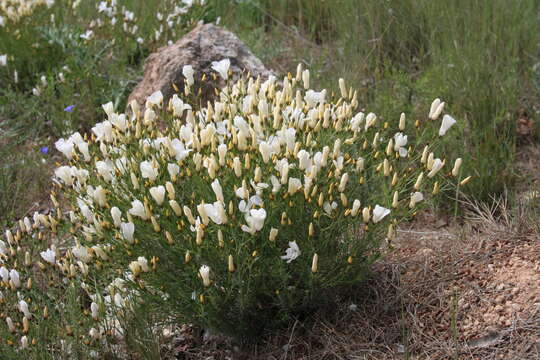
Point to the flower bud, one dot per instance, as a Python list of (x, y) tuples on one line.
[(457, 166), (273, 234), (314, 263), (231, 264)]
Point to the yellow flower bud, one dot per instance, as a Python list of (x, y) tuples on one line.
[(314, 263), (231, 264)]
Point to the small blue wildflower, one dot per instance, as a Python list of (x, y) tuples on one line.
[(44, 150), (69, 108)]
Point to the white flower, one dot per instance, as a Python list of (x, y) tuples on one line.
[(155, 98), (81, 253), (24, 342), (204, 271), (292, 252), (400, 141), (4, 274), (179, 150), (216, 186), (457, 165), (446, 124), (178, 106), (415, 198), (143, 263), (94, 310), (173, 170), (105, 170), (435, 167), (436, 109), (49, 256), (343, 182), (356, 207), (371, 118), (66, 147), (312, 98), (148, 171), (128, 229), (116, 215), (304, 160), (137, 209), (108, 108), (87, 35), (216, 212), (188, 72), (15, 279), (158, 193), (119, 121), (3, 60), (64, 173), (255, 220), (23, 307), (294, 185), (222, 67), (266, 150), (103, 131), (379, 213), (3, 248)]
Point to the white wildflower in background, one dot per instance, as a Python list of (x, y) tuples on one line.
[(3, 60), (379, 213), (292, 252), (447, 123), (222, 67), (49, 256)]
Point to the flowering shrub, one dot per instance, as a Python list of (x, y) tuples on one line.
[(234, 216)]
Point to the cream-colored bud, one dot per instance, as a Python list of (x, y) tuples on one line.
[(423, 159), (343, 182), (418, 182), (170, 190), (258, 175), (135, 268), (415, 198), (390, 147), (436, 188), (134, 180), (457, 166), (395, 200), (221, 242), (189, 215), (200, 235), (314, 263), (231, 264), (430, 160), (343, 88), (175, 207), (365, 215), (311, 229), (355, 207), (402, 122), (465, 181), (237, 166), (187, 257), (273, 234), (386, 167), (394, 179), (344, 200)]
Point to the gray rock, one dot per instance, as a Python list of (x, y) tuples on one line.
[(199, 48)]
